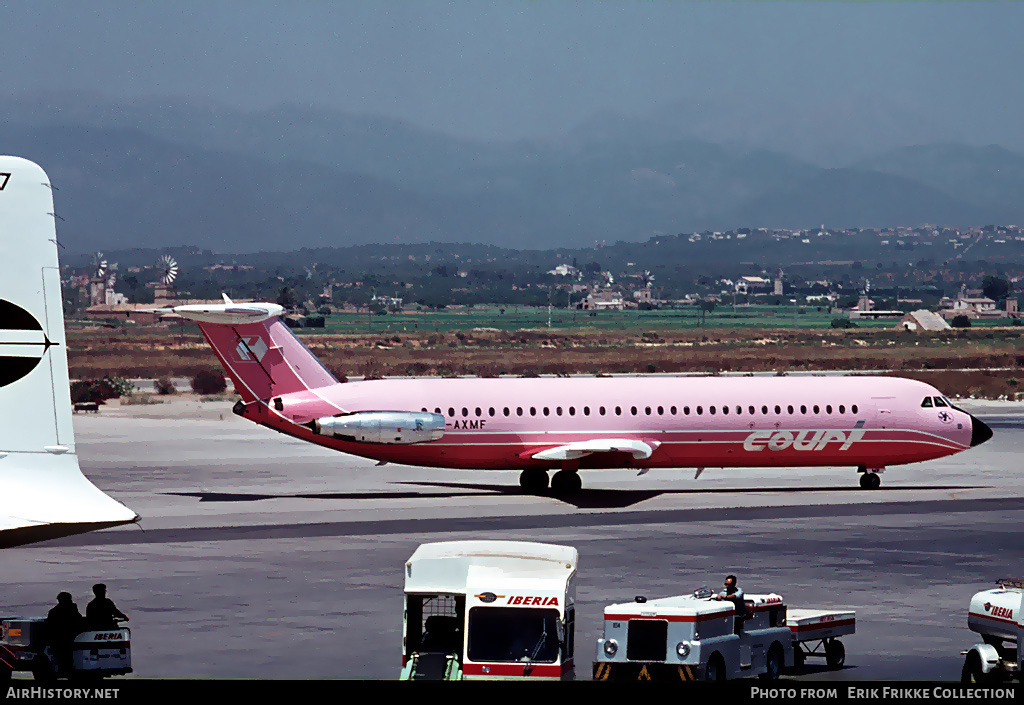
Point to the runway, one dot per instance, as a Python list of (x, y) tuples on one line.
[(261, 556)]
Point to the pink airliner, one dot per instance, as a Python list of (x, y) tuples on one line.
[(572, 424)]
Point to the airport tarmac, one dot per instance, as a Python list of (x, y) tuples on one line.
[(259, 556)]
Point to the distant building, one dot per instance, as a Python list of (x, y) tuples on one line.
[(971, 303), (604, 301), (748, 285), (866, 310), (923, 321), (564, 270), (642, 296)]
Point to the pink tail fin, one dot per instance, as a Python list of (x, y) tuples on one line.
[(265, 359)]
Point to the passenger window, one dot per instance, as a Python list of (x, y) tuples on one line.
[(572, 411), (451, 411), (853, 409), (437, 411), (632, 410), (601, 411), (927, 403), (490, 411), (479, 412), (673, 411), (547, 411), (939, 401), (789, 408), (725, 408), (686, 411), (558, 410), (519, 411), (533, 411), (506, 411), (764, 410), (817, 409), (700, 410), (828, 409), (711, 410), (842, 409), (618, 411), (647, 410), (661, 410), (803, 409), (465, 411)]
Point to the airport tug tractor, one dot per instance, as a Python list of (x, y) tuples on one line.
[(489, 609), (695, 637), (996, 615), (24, 646)]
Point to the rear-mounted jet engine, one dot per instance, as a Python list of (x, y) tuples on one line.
[(383, 427)]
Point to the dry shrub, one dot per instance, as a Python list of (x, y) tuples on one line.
[(209, 382)]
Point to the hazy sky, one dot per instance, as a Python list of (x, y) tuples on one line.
[(510, 69)]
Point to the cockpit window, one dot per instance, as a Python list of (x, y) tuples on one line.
[(939, 401), (927, 402)]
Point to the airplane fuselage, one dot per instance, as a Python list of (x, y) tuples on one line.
[(500, 424)]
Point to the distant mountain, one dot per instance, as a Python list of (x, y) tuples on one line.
[(120, 188), (162, 173), (988, 176), (853, 198)]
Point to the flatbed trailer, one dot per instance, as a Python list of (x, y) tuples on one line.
[(816, 633)]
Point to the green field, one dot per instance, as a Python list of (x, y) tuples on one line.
[(519, 318)]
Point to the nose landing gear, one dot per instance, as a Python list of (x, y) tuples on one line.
[(870, 479)]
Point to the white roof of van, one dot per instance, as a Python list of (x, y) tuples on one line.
[(445, 567)]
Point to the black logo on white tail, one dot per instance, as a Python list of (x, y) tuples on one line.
[(22, 342)]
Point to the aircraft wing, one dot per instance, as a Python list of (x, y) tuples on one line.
[(45, 495), (640, 450)]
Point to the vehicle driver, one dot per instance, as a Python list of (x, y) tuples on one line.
[(63, 623), (734, 594), (101, 612)]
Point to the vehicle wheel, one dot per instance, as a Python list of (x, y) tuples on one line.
[(835, 654), (773, 664), (715, 670), (533, 480), (798, 658), (972, 672), (870, 481), (566, 482)]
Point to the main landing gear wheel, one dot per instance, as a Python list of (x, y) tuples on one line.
[(566, 482), (533, 481), (870, 481)]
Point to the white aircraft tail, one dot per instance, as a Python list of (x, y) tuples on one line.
[(44, 492)]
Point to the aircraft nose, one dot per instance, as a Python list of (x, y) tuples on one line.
[(980, 432)]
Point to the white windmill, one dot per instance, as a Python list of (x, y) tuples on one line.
[(167, 271), (98, 280), (99, 265)]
